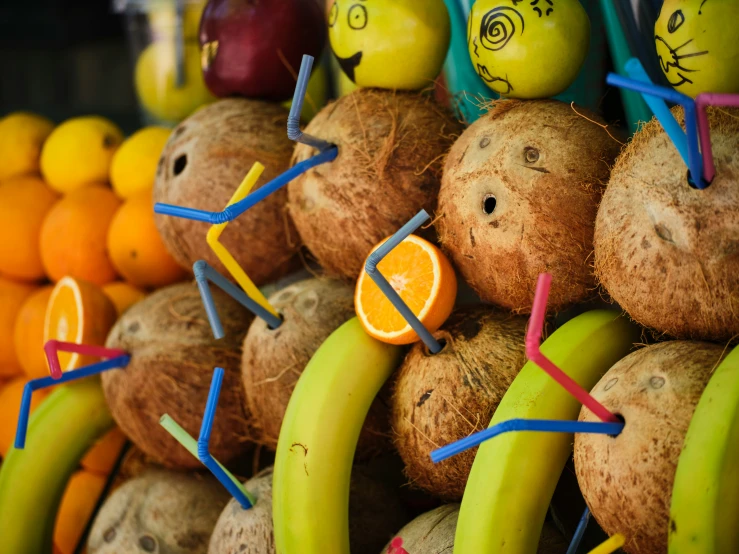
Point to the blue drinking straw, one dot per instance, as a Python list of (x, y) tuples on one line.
[(579, 532), (546, 425), (204, 272), (293, 120), (659, 108), (44, 382), (379, 279), (695, 161)]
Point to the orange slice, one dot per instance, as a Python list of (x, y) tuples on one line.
[(81, 313), (77, 507), (423, 277)]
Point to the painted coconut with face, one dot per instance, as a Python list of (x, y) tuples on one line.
[(697, 45), (538, 63), (393, 44), (519, 197)]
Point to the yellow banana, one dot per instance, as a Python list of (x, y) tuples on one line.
[(318, 438), (704, 510), (32, 480), (514, 475)]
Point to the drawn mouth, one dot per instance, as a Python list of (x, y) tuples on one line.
[(675, 62), (486, 76), (348, 65)]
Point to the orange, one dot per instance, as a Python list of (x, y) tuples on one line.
[(73, 236), (28, 335), (77, 506), (137, 250), (101, 458), (12, 296), (10, 405), (24, 203), (123, 295), (423, 277), (78, 312)]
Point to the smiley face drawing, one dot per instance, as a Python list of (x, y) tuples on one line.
[(698, 45), (392, 44), (528, 48)]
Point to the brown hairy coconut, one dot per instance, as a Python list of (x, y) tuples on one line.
[(204, 161), (173, 354), (391, 149), (441, 398), (627, 480), (519, 197), (666, 252), (159, 511), (375, 511)]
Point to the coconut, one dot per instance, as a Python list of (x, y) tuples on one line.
[(519, 197), (391, 149), (205, 159), (173, 354), (159, 511), (666, 252), (441, 398), (375, 511), (627, 480)]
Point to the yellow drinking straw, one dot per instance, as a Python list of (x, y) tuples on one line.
[(609, 546), (233, 267)]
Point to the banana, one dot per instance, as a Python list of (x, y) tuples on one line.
[(32, 480), (514, 475), (318, 438), (704, 510)]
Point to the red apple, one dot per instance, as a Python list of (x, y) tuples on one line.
[(253, 48)]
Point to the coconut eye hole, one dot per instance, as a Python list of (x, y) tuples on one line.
[(530, 154), (109, 535), (148, 543), (484, 142), (179, 164), (489, 203)]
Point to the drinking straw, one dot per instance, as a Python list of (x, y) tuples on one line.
[(544, 425), (235, 210), (704, 130), (233, 267), (44, 382), (609, 546), (293, 120), (204, 272), (694, 156), (579, 532), (53, 346), (396, 547), (371, 269), (659, 108)]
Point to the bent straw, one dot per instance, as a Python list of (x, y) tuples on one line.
[(371, 269), (53, 347), (293, 120), (235, 210), (541, 425), (704, 130), (44, 382), (609, 546), (579, 532), (396, 547), (533, 338), (695, 162)]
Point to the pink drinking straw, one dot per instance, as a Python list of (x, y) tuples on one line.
[(533, 337), (52, 347), (396, 547), (704, 131)]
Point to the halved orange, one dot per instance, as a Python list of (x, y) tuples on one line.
[(81, 313), (423, 277)]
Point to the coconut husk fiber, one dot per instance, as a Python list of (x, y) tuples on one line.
[(519, 197), (444, 397), (173, 355), (666, 252), (203, 163), (391, 151)]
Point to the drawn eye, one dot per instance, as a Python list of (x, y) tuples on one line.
[(333, 14), (357, 17), (675, 21)]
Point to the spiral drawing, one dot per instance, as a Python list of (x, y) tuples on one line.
[(498, 27)]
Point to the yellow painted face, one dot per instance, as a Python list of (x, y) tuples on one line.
[(393, 44), (698, 45), (528, 48)]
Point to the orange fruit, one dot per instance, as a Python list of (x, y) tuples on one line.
[(78, 503), (423, 277), (10, 405), (73, 236), (81, 313), (28, 335), (123, 295), (101, 458), (24, 203), (12, 296), (137, 250)]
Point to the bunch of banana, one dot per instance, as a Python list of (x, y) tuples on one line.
[(318, 438), (33, 480), (514, 475)]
